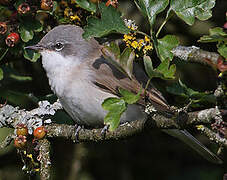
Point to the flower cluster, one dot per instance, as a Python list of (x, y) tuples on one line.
[(72, 12), (139, 45)]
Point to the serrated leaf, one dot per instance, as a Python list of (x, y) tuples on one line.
[(165, 45), (163, 71), (112, 119), (166, 70), (87, 5), (31, 55), (110, 22), (110, 103), (149, 68), (197, 98), (25, 33), (1, 74), (150, 8), (188, 10), (115, 106), (222, 49), (28, 27), (129, 97), (215, 35)]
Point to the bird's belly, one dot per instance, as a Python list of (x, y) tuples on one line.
[(85, 106)]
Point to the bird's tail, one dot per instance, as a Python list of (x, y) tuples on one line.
[(188, 139)]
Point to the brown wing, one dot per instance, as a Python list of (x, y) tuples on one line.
[(109, 79)]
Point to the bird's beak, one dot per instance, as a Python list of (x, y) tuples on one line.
[(37, 47)]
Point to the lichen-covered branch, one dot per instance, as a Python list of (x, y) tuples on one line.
[(195, 54), (215, 137), (12, 116), (44, 157)]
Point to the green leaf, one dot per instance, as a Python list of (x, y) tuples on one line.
[(222, 49), (215, 35), (87, 5), (165, 45), (28, 27), (110, 22), (130, 97), (31, 55), (163, 71), (166, 70), (150, 8), (110, 103), (26, 34), (1, 74), (126, 61), (112, 119), (149, 68), (188, 10), (115, 106), (114, 48)]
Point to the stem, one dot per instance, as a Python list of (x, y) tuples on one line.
[(163, 24)]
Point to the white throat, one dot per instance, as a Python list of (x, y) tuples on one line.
[(58, 69)]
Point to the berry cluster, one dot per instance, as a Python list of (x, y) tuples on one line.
[(13, 13), (22, 135)]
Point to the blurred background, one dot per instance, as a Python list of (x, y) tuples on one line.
[(149, 155)]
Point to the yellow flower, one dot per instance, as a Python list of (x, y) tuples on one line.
[(128, 37), (37, 169), (29, 156), (200, 127), (147, 39), (67, 11), (73, 1), (141, 44), (74, 18), (147, 48), (134, 44)]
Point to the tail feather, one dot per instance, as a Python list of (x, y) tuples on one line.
[(188, 139)]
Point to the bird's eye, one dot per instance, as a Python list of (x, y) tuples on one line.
[(58, 46)]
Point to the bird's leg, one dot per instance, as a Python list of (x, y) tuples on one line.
[(104, 130), (78, 128)]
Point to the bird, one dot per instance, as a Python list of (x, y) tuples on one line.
[(82, 78)]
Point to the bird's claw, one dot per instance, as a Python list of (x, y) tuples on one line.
[(78, 128), (104, 130)]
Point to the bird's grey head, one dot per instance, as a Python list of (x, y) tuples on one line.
[(66, 40)]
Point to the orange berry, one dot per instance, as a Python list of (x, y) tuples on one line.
[(39, 132), (12, 39), (22, 130)]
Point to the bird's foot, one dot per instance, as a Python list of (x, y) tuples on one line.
[(104, 130), (76, 135)]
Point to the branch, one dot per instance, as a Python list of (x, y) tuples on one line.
[(44, 157), (206, 116), (195, 54)]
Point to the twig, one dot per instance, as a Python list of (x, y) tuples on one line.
[(44, 159), (6, 141), (213, 136)]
